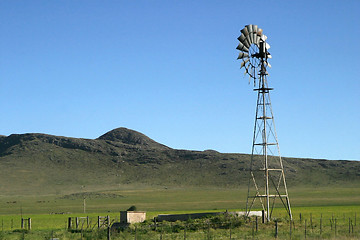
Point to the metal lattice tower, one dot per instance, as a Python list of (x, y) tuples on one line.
[(266, 174)]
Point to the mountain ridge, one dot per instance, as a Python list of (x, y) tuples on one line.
[(48, 164)]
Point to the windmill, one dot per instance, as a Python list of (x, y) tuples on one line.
[(266, 173)]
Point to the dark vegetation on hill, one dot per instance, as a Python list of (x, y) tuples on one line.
[(44, 164)]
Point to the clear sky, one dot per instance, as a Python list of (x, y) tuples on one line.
[(168, 69)]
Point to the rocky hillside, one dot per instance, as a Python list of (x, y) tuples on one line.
[(45, 164)]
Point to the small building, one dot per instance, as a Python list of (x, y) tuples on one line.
[(132, 216)]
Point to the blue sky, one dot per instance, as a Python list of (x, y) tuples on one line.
[(168, 69)]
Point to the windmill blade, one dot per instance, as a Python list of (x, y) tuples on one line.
[(259, 32), (245, 31), (242, 55), (255, 28), (241, 38), (244, 40), (249, 28), (254, 37), (268, 64), (263, 37), (257, 40), (242, 47), (246, 70), (267, 46), (244, 62), (251, 38), (268, 55)]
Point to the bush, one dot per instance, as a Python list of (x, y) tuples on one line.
[(132, 208)]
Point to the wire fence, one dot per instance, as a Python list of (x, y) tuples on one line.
[(309, 227)]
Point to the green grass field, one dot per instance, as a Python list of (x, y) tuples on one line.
[(161, 200), (171, 199), (49, 213)]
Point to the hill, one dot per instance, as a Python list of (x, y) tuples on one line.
[(40, 164)]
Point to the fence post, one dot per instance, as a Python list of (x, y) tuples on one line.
[(230, 228), (185, 232), (331, 224), (290, 228), (320, 225), (263, 216), (349, 225), (29, 223), (22, 223), (257, 224), (311, 222), (253, 231), (108, 233), (335, 226), (305, 228), (161, 231), (135, 232), (69, 223), (208, 230), (98, 221), (300, 218), (276, 229)]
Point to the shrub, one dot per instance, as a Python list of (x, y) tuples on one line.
[(132, 208)]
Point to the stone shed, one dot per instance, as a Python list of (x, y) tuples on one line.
[(132, 216)]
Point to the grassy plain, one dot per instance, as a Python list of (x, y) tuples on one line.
[(169, 199), (51, 212)]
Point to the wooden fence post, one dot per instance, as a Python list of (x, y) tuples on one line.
[(305, 228), (257, 224), (355, 219), (109, 234), (320, 225), (69, 223), (22, 223), (252, 229), (263, 216), (161, 232), (230, 228), (276, 229), (185, 232), (29, 223), (208, 230), (331, 224)]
